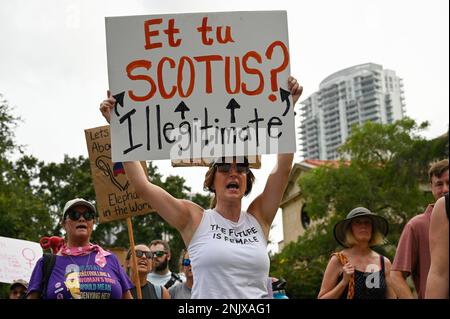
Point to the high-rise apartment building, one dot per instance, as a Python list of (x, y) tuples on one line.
[(361, 93)]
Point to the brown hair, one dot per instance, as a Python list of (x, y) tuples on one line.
[(376, 239), (209, 181), (437, 169), (162, 242)]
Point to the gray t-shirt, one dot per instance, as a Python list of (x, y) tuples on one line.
[(159, 280), (180, 291)]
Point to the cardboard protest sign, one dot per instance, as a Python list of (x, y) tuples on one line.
[(115, 197), (200, 85), (17, 259)]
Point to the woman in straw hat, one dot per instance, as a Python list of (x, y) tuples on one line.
[(358, 272)]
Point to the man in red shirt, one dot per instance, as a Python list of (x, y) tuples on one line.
[(413, 251)]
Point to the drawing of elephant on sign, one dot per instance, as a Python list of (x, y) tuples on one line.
[(104, 164)]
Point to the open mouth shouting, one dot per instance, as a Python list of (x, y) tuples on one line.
[(142, 263), (233, 186)]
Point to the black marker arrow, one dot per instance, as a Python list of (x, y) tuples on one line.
[(285, 97), (232, 105), (182, 107), (119, 100)]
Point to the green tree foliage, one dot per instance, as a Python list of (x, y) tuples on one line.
[(22, 214), (382, 168), (33, 194), (8, 122), (60, 182)]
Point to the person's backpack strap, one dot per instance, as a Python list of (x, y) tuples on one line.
[(351, 284), (49, 263), (159, 291)]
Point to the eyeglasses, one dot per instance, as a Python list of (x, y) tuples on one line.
[(226, 167), (75, 215), (159, 253), (186, 262), (140, 253)]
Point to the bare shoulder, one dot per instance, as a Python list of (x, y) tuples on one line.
[(195, 214), (194, 209), (334, 260), (346, 252), (376, 256), (334, 266), (254, 207), (191, 205)]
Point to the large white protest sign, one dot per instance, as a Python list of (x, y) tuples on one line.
[(17, 259), (200, 85)]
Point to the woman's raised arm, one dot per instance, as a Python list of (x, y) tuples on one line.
[(265, 206), (184, 215)]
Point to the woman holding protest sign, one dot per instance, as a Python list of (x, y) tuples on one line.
[(227, 246), (80, 269)]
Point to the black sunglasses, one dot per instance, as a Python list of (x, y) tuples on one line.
[(226, 167), (140, 253), (75, 215), (186, 262), (159, 253)]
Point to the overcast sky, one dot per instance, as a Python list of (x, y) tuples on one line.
[(53, 66)]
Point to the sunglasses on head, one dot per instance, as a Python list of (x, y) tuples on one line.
[(140, 253), (226, 167), (159, 253), (186, 262), (75, 215)]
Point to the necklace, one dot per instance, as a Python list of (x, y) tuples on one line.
[(73, 261), (73, 284)]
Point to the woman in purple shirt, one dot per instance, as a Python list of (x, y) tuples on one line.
[(82, 270)]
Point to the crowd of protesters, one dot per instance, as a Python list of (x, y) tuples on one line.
[(226, 246)]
